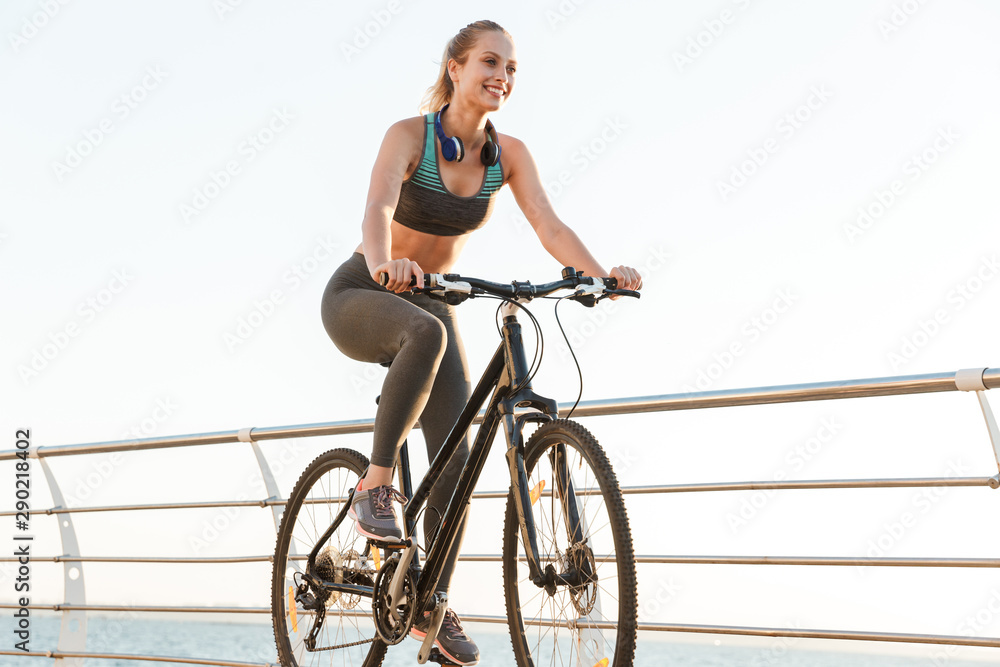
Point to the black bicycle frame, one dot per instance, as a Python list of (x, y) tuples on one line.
[(506, 385)]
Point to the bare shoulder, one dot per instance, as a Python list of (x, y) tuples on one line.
[(404, 141), (512, 145), (414, 125), (405, 132), (515, 155)]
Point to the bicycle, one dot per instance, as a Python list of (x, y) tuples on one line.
[(568, 563)]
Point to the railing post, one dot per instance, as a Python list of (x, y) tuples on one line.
[(73, 628), (971, 379), (270, 485), (991, 425)]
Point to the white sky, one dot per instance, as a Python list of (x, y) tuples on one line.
[(845, 106)]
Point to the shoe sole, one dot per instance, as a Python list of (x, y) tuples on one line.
[(416, 634), (372, 536)]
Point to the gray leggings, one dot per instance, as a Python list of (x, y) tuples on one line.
[(428, 380)]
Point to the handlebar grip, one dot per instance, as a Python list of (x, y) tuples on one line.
[(610, 283), (383, 279)]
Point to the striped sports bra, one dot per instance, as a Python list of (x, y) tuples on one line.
[(426, 205)]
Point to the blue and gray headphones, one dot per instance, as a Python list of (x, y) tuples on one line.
[(453, 150)]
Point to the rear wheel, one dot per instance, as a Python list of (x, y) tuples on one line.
[(593, 622), (315, 501)]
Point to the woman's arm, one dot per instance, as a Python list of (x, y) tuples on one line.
[(394, 159), (556, 237)]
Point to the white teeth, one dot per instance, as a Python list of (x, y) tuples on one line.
[(495, 91)]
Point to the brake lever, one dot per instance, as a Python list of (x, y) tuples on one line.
[(619, 292), (623, 292)]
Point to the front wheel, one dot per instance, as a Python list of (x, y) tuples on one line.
[(582, 526), (311, 508)]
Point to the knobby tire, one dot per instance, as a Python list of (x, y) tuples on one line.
[(310, 510), (603, 612)]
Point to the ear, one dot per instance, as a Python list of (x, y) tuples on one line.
[(453, 68)]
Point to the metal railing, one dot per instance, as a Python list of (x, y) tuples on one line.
[(72, 636)]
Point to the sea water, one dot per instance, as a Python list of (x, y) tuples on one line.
[(253, 642)]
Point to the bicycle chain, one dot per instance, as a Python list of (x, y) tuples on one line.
[(333, 648), (359, 642)]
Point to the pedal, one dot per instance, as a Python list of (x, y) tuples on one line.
[(391, 546), (440, 658), (437, 617)]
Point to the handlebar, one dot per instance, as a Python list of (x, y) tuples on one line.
[(589, 289)]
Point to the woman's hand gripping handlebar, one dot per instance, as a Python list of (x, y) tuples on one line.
[(453, 288)]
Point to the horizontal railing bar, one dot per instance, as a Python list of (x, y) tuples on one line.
[(988, 642), (647, 559), (992, 482), (816, 391), (192, 440), (144, 559), (794, 393), (158, 506), (129, 656), (820, 560), (889, 483), (216, 438), (143, 608), (775, 560), (268, 502), (881, 483)]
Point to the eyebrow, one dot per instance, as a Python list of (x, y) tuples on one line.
[(493, 53)]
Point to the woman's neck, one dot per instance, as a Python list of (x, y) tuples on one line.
[(467, 124)]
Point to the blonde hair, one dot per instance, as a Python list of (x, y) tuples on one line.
[(457, 49)]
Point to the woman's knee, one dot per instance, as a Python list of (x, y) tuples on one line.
[(428, 333)]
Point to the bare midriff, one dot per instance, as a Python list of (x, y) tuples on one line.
[(434, 254)]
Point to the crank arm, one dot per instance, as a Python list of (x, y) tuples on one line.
[(437, 617), (396, 594)]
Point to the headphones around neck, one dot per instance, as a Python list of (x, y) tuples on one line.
[(453, 149)]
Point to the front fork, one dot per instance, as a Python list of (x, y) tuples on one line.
[(546, 577), (522, 494), (517, 386)]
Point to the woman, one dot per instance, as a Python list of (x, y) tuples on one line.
[(419, 213)]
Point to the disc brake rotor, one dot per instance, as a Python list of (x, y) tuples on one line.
[(581, 559)]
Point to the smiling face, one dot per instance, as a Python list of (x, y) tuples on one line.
[(487, 77)]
